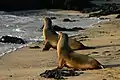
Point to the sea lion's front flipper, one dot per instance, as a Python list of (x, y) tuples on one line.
[(61, 63), (47, 46)]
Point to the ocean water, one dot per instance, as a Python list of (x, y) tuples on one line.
[(27, 25)]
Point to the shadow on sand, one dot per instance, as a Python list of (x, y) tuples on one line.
[(111, 65), (95, 47), (107, 46)]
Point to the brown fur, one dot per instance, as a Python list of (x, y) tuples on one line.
[(67, 57), (51, 37)]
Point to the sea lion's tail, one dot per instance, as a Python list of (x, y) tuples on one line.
[(101, 66)]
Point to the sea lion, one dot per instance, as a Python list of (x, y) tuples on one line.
[(51, 37), (67, 57)]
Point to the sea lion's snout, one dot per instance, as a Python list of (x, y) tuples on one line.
[(60, 33), (47, 21)]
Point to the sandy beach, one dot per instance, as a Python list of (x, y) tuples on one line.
[(27, 64)]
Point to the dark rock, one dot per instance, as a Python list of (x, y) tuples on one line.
[(104, 79), (77, 28), (118, 16), (59, 74), (84, 36), (34, 47), (111, 35), (99, 26), (95, 52), (52, 17), (10, 39), (68, 20), (10, 76), (103, 18), (58, 28), (94, 15), (106, 9)]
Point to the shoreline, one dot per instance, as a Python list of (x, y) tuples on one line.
[(27, 45), (55, 12)]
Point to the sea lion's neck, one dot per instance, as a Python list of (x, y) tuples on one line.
[(63, 46), (47, 25)]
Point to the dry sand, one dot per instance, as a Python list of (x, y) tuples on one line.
[(27, 64)]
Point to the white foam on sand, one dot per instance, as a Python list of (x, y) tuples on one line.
[(13, 49), (18, 30)]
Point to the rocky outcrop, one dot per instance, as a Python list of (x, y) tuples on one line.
[(58, 28), (10, 39), (68, 20), (106, 9), (118, 16)]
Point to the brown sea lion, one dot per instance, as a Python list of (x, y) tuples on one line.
[(51, 37), (67, 57)]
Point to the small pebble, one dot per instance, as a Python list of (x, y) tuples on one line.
[(104, 79), (10, 75)]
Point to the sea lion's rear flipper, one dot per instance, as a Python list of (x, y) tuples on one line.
[(47, 46)]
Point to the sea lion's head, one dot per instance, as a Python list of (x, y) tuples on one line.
[(47, 22), (63, 43), (63, 35)]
